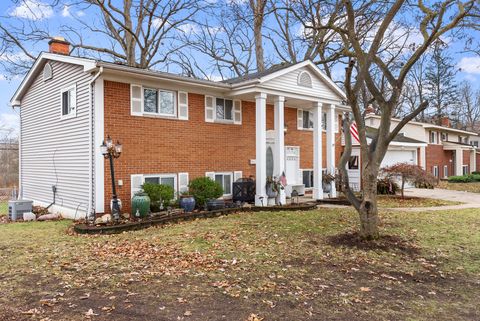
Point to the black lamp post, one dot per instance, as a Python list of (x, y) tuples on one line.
[(111, 151)]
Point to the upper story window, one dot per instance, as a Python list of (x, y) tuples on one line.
[(433, 137), (148, 101), (474, 143), (445, 137), (305, 120), (224, 109), (304, 79), (47, 72), (68, 98), (159, 101), (218, 109)]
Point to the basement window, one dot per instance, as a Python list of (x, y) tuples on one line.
[(225, 180)]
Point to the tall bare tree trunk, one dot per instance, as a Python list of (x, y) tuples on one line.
[(368, 209), (258, 9)]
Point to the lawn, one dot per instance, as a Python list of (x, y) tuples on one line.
[(473, 187), (277, 266), (388, 201), (3, 208)]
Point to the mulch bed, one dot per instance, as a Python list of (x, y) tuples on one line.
[(172, 218), (385, 243)]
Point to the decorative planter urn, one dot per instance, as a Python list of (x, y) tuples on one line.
[(140, 204), (187, 203)]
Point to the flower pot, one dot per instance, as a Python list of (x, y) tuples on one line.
[(215, 205), (140, 204), (187, 203), (327, 187)]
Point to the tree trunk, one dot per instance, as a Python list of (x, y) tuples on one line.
[(368, 208)]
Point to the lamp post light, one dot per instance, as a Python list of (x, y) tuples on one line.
[(110, 150)]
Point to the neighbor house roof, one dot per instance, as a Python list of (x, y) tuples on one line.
[(400, 138), (429, 126), (234, 83)]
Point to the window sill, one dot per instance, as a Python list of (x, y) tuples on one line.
[(69, 116), (225, 122), (148, 115)]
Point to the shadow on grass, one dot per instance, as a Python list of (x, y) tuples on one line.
[(386, 243)]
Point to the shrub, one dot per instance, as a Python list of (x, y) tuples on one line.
[(465, 178), (203, 189), (386, 186), (476, 173), (409, 173), (161, 196)]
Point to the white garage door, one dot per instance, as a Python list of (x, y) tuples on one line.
[(393, 157)]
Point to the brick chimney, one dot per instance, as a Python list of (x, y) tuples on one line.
[(445, 121), (58, 45)]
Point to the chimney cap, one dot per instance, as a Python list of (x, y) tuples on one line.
[(58, 39)]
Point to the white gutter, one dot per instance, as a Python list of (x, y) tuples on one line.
[(92, 140)]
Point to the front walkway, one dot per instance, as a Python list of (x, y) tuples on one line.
[(469, 200)]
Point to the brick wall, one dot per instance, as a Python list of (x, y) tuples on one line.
[(161, 146), (436, 156)]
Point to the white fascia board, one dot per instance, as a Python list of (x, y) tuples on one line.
[(88, 65)]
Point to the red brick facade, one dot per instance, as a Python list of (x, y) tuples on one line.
[(437, 156), (158, 145)]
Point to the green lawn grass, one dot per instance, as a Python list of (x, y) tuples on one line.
[(279, 266), (3, 208)]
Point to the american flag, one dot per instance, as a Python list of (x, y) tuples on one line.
[(354, 131)]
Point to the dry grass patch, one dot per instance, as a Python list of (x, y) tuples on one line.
[(473, 187), (396, 201), (277, 266)]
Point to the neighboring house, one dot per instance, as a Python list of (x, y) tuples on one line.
[(172, 128), (440, 150)]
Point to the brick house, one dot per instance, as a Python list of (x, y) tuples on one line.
[(441, 150), (172, 128)]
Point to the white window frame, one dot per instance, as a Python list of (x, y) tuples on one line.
[(445, 171), (310, 116), (223, 120), (73, 111), (231, 181), (160, 176), (444, 137), (435, 171), (435, 138), (175, 103), (463, 170)]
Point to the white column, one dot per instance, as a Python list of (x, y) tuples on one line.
[(317, 151), (423, 158), (279, 153), (458, 162), (473, 161), (261, 148), (331, 144)]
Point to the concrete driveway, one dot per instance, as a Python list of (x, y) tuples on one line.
[(470, 200)]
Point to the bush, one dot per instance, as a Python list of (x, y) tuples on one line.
[(203, 189), (161, 196), (476, 173), (465, 178), (386, 186)]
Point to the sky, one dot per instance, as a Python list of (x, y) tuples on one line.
[(468, 63)]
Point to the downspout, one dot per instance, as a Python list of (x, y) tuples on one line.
[(92, 140)]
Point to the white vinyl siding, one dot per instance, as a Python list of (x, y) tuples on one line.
[(55, 151), (289, 82)]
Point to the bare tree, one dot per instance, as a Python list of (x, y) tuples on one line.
[(433, 20), (469, 107), (140, 33)]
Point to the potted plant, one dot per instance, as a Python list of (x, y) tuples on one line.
[(327, 180), (187, 202)]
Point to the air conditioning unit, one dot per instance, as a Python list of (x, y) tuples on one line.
[(17, 208)]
